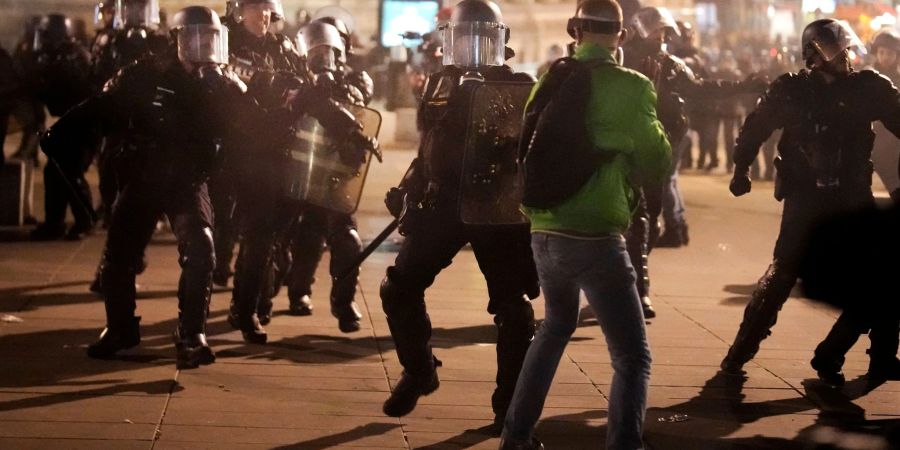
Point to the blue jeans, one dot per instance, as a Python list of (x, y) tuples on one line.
[(602, 269)]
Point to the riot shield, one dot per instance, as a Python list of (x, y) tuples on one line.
[(492, 183), (316, 172)]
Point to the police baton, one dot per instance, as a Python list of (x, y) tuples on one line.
[(369, 249)]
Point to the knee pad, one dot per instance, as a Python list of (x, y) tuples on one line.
[(398, 300), (197, 250)]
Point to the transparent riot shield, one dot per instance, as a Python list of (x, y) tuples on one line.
[(318, 175), (492, 183)]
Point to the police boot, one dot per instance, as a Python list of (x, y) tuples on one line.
[(244, 319), (343, 308), (192, 350), (48, 232), (347, 314), (760, 315), (883, 362), (406, 394), (830, 353), (116, 337), (515, 330), (300, 306), (674, 237), (884, 369), (264, 310), (637, 242), (242, 313), (534, 444)]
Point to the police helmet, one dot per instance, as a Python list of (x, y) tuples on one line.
[(475, 36), (828, 38), (200, 36)]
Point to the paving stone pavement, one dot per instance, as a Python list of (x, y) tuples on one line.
[(313, 387)]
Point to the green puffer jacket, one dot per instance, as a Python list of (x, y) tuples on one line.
[(621, 118)]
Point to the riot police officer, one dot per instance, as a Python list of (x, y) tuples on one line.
[(675, 82), (175, 114), (886, 48), (269, 206), (473, 50), (320, 226), (134, 34), (61, 71), (826, 113), (254, 49)]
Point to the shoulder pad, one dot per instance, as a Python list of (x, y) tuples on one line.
[(873, 76)]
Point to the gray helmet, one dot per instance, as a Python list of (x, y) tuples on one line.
[(342, 29), (475, 36), (323, 46), (136, 13), (200, 35), (651, 19), (594, 17), (886, 38), (829, 38), (274, 6)]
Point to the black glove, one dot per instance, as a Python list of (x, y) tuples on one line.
[(354, 149), (395, 200), (740, 182)]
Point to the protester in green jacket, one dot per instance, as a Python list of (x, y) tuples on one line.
[(622, 119), (578, 245)]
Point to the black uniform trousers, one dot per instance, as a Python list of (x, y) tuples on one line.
[(505, 259), (317, 228), (134, 218), (803, 210), (224, 202)]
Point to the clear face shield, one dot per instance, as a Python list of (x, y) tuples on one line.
[(322, 59), (840, 38), (200, 44), (136, 13), (474, 44)]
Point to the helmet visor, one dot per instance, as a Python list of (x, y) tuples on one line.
[(839, 37), (322, 59), (136, 13), (203, 44), (474, 44), (651, 20)]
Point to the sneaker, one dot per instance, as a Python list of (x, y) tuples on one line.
[(114, 339), (674, 237), (407, 392)]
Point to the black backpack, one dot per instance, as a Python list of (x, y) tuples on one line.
[(556, 150)]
